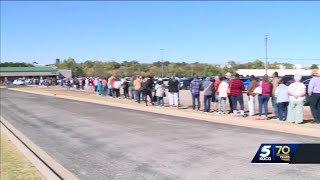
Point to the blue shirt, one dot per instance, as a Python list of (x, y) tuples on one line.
[(282, 93), (314, 85), (195, 86)]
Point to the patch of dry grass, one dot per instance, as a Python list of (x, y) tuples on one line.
[(14, 165)]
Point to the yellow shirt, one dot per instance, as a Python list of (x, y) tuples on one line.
[(137, 84)]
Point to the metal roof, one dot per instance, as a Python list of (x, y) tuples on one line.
[(28, 69)]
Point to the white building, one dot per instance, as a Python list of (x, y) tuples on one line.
[(281, 72)]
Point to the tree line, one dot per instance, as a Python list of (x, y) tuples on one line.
[(98, 68), (166, 69)]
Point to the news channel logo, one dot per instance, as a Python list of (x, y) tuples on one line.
[(275, 153)]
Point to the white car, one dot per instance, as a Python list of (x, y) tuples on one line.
[(18, 82)]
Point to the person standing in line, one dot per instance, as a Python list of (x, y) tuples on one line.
[(147, 89), (131, 89), (125, 86), (251, 95), (104, 86), (282, 96), (264, 97), (207, 94), (229, 79), (112, 90), (237, 86), (173, 92), (275, 83), (222, 92), (297, 92), (137, 88), (314, 96), (99, 87), (215, 98), (91, 83), (117, 86), (160, 92), (95, 83), (87, 82), (195, 87)]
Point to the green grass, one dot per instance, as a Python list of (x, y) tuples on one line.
[(14, 165)]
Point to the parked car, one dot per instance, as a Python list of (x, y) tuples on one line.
[(288, 79), (246, 83), (185, 83), (18, 82)]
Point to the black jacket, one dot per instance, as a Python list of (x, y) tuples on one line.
[(173, 85), (148, 85)]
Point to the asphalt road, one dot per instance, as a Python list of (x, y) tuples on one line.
[(102, 142)]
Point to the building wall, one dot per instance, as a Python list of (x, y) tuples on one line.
[(281, 72)]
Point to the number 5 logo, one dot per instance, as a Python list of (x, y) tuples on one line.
[(265, 151)]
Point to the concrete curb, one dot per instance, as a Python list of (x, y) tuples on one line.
[(306, 131), (47, 166)]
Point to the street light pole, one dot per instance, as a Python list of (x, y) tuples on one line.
[(266, 46), (161, 62)]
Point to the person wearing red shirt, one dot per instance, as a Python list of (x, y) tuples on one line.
[(236, 87), (215, 95)]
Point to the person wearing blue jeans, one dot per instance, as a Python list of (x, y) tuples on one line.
[(235, 100), (137, 95), (275, 107), (195, 97), (160, 101), (283, 110), (263, 101), (207, 103)]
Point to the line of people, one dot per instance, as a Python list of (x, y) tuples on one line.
[(287, 101)]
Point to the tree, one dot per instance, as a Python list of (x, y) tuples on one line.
[(314, 66)]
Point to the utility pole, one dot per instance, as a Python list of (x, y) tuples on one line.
[(161, 62), (266, 46)]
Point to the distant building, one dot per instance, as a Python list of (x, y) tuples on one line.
[(38, 72), (281, 72)]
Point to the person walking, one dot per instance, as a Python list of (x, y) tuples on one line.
[(275, 83), (222, 93), (314, 96), (160, 92), (215, 98), (297, 92), (137, 88), (195, 87), (251, 95), (173, 92), (207, 94), (264, 97), (236, 87), (282, 96), (229, 79)]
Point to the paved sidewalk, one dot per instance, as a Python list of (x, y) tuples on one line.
[(302, 129)]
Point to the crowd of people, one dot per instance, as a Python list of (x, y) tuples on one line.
[(287, 101)]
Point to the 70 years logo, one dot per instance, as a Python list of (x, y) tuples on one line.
[(275, 153)]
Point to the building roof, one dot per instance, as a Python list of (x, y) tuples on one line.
[(28, 69)]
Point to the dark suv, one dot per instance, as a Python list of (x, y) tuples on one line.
[(288, 79)]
